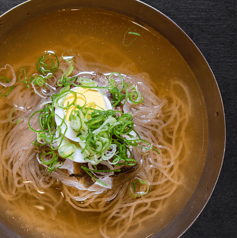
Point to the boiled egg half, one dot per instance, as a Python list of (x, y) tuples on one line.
[(90, 97)]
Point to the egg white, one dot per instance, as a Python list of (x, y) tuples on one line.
[(70, 133)]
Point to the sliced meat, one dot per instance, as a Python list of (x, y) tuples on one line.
[(126, 169), (81, 175), (101, 79), (78, 172)]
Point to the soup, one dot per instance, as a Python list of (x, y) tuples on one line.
[(172, 120)]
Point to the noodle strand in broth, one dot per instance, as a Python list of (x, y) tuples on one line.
[(161, 122)]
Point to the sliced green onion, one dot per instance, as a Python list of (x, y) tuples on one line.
[(64, 81), (54, 166), (100, 170), (108, 154), (87, 82), (135, 96), (134, 33), (123, 91), (6, 90), (51, 163), (87, 171), (40, 81), (66, 150), (145, 147), (22, 75), (47, 63), (134, 186), (10, 117), (69, 70), (75, 122), (41, 138), (153, 147), (128, 32), (138, 187)]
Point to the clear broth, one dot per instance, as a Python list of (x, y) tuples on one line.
[(102, 32)]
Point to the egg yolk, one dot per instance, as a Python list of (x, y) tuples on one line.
[(91, 97)]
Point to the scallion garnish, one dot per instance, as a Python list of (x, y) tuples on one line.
[(47, 63), (65, 151), (130, 40), (22, 77), (102, 135), (6, 90), (93, 177), (138, 187), (10, 117), (87, 82), (51, 160)]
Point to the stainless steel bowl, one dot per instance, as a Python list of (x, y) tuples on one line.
[(188, 50)]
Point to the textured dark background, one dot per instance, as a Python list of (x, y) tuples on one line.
[(212, 26)]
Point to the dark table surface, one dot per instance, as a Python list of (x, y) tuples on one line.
[(212, 25)]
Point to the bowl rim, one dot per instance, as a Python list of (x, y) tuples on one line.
[(191, 209)]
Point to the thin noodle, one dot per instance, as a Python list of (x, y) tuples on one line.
[(161, 121)]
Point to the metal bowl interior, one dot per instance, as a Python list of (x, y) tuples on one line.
[(161, 23)]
